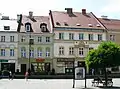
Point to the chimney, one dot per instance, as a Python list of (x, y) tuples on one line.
[(69, 10), (84, 11), (30, 14)]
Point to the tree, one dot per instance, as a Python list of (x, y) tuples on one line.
[(106, 55)]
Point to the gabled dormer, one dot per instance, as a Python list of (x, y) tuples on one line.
[(43, 27)]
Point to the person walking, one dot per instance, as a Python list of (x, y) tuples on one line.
[(26, 75)]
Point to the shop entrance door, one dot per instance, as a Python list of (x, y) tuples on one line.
[(23, 68)]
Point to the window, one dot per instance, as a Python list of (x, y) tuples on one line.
[(27, 27), (2, 38), (6, 27), (81, 36), (47, 52), (71, 36), (71, 51), (57, 23), (23, 39), (61, 50), (99, 37), (61, 35), (31, 41), (23, 52), (81, 51), (11, 38), (39, 52), (2, 52), (39, 39), (90, 36), (43, 28), (91, 48), (47, 39), (11, 52), (31, 52), (112, 37)]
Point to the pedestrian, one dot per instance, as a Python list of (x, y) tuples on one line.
[(10, 75), (26, 75)]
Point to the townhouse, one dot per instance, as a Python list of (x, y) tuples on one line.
[(75, 34), (35, 43), (8, 44), (113, 33)]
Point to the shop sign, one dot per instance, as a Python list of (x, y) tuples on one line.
[(65, 60), (11, 61), (40, 60), (3, 60)]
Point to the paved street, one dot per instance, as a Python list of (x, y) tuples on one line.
[(47, 84)]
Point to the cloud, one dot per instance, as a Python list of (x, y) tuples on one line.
[(113, 6)]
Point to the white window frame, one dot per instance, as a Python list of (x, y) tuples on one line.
[(12, 52), (47, 39), (31, 52), (81, 51), (81, 36), (23, 52), (2, 52), (39, 52), (11, 38), (61, 50), (71, 36), (23, 39), (27, 27), (99, 37), (90, 37), (112, 37), (71, 50), (47, 52), (61, 36), (2, 38), (39, 39)]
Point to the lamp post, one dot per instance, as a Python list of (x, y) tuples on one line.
[(29, 48)]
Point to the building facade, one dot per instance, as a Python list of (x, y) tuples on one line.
[(35, 43), (113, 34), (8, 44), (75, 34)]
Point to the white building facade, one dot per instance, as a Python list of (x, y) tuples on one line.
[(8, 44), (75, 35)]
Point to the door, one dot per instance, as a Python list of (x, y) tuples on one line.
[(23, 68)]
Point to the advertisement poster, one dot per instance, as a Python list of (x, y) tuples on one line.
[(79, 73)]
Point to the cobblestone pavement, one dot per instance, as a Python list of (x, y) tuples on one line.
[(48, 84)]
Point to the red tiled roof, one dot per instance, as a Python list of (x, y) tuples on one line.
[(35, 23), (85, 21), (111, 24)]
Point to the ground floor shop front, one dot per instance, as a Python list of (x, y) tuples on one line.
[(66, 65), (8, 65), (38, 65)]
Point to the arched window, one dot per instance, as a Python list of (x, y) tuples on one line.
[(2, 50), (47, 52), (23, 52), (39, 51), (31, 52)]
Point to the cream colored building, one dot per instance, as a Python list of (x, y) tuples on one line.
[(35, 43), (75, 34)]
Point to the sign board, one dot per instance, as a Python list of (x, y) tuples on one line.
[(40, 60), (3, 60), (79, 73)]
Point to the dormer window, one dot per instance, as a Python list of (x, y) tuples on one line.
[(6, 27), (65, 24), (27, 27), (43, 27), (57, 23)]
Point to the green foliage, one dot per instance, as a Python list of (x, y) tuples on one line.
[(106, 55)]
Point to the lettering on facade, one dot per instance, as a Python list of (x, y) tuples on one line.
[(65, 60)]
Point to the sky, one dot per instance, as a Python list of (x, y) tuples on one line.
[(110, 8)]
